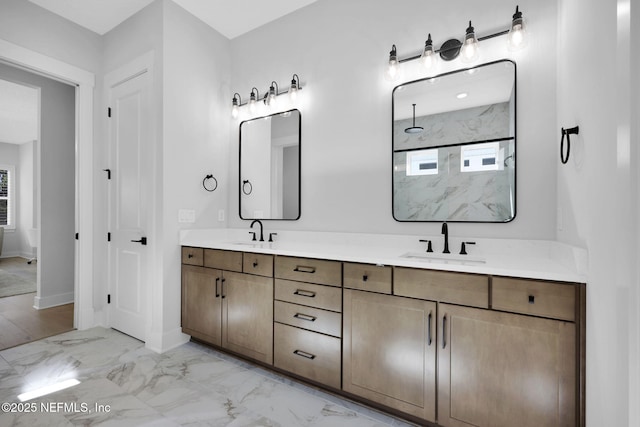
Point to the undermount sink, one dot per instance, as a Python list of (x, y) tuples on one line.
[(444, 258)]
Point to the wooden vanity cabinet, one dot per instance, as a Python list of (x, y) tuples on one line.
[(499, 369), (308, 318), (389, 351), (230, 309)]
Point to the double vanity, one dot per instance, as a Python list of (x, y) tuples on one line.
[(491, 338)]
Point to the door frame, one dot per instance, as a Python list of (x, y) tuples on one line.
[(138, 66), (83, 312)]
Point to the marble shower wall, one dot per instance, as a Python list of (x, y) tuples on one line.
[(453, 195)]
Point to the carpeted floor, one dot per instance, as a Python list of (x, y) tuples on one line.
[(16, 277)]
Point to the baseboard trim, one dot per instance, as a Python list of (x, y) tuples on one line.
[(52, 301), (161, 343)]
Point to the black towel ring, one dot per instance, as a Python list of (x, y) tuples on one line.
[(566, 132), (246, 183), (204, 183)]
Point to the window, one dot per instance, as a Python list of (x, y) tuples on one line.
[(480, 157), (422, 162), (7, 174)]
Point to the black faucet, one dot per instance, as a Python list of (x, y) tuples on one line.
[(445, 231), (259, 223)]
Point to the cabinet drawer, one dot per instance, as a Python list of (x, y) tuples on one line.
[(314, 319), (223, 260), (538, 298), (307, 354), (192, 256), (367, 277), (309, 270), (455, 288), (259, 264), (318, 296)]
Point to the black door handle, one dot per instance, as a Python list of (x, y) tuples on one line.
[(142, 241)]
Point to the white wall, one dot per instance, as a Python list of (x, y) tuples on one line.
[(339, 50), (597, 195), (196, 134)]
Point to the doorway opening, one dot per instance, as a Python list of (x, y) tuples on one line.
[(37, 205)]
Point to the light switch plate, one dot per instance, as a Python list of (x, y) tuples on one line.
[(186, 216)]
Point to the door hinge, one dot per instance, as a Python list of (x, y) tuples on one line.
[(77, 236), (108, 237), (109, 112), (108, 298)]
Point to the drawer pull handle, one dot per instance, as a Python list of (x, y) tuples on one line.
[(532, 299), (305, 317), (304, 269), (304, 293), (304, 354), (255, 264), (365, 278), (429, 330), (444, 331), (190, 256)]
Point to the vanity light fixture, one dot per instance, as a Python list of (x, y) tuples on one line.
[(293, 89), (467, 50), (270, 97), (273, 93), (253, 99), (517, 38), (235, 109), (428, 57), (391, 72)]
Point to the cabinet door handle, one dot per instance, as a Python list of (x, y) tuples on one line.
[(304, 354), (304, 269), (304, 293), (305, 317), (444, 331), (429, 330), (223, 280), (217, 291)]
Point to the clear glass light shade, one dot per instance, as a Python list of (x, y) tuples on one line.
[(293, 93), (272, 99), (428, 59), (517, 38), (252, 105), (393, 70), (235, 111), (470, 51)]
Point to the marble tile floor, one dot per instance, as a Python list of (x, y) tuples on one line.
[(124, 384)]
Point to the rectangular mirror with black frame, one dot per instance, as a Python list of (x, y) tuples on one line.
[(270, 167), (454, 143)]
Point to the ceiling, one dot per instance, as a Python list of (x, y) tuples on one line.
[(232, 18), (229, 17)]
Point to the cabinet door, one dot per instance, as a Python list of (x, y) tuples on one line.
[(500, 370), (389, 351), (201, 303), (247, 313)]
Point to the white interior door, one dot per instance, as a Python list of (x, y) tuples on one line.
[(129, 194)]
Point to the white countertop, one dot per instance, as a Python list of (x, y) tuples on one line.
[(535, 259)]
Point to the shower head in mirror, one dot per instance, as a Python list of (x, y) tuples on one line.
[(414, 128)]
